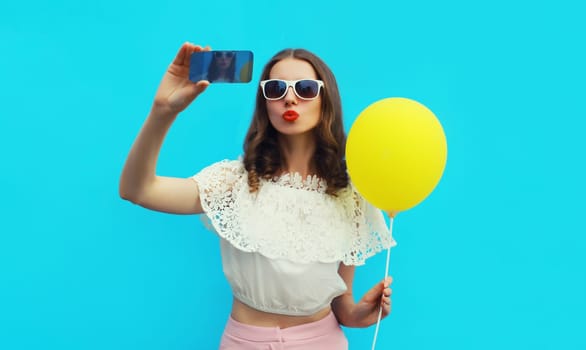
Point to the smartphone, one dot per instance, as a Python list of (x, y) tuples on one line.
[(221, 66)]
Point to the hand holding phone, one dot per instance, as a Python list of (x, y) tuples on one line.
[(221, 66), (176, 91)]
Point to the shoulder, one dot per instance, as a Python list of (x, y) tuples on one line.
[(225, 171), (224, 166)]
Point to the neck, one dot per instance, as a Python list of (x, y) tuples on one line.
[(298, 151)]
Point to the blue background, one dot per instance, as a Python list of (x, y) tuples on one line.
[(492, 259)]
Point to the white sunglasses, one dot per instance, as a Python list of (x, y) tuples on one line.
[(305, 89)]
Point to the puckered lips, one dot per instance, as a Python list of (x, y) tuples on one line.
[(290, 115)]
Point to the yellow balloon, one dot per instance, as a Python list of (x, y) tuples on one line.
[(246, 72), (396, 153)]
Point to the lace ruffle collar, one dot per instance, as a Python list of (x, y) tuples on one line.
[(290, 217), (295, 180)]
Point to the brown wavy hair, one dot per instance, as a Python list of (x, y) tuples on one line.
[(263, 157)]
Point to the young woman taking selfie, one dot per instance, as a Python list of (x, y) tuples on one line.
[(291, 225)]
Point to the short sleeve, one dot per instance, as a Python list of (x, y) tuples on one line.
[(217, 184), (372, 232)]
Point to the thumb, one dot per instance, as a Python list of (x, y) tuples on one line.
[(183, 97), (193, 90)]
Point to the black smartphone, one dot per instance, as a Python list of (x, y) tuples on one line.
[(221, 66)]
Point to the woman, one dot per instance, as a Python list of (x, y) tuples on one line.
[(222, 67), (291, 226)]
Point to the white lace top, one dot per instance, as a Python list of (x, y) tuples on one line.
[(281, 246)]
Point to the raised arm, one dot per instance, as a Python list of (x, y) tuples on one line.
[(139, 182)]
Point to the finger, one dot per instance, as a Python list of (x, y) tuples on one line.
[(180, 57), (387, 281), (386, 310), (387, 292), (190, 50), (184, 55), (186, 59), (386, 305), (374, 293)]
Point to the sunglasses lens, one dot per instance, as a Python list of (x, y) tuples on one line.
[(307, 88), (275, 89), (220, 54)]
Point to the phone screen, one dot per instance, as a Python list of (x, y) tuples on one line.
[(222, 66)]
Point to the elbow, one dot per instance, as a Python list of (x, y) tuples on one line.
[(134, 191), (127, 194), (343, 307)]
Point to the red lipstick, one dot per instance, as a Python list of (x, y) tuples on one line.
[(290, 116)]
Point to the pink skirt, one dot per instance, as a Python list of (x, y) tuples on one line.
[(324, 334)]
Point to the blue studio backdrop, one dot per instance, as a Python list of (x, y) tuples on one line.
[(492, 259)]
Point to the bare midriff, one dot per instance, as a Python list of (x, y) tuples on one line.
[(247, 315)]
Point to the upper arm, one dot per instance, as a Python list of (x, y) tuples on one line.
[(347, 274), (171, 195), (342, 304), (213, 186)]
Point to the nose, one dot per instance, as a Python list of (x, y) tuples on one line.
[(290, 97)]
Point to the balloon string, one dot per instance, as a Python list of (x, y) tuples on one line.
[(380, 309)]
